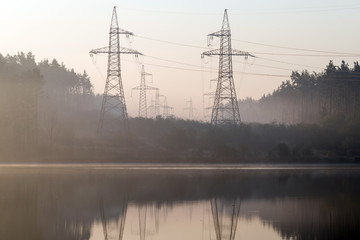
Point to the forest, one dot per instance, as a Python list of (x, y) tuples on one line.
[(309, 97), (40, 102), (49, 113)]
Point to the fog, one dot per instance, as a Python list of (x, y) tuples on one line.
[(49, 113), (82, 205)]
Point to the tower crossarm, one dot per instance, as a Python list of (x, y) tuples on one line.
[(166, 107), (220, 33), (145, 88), (107, 51), (125, 32), (210, 94), (211, 53), (234, 52)]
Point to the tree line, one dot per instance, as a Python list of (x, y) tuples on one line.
[(49, 112), (309, 97), (37, 98)]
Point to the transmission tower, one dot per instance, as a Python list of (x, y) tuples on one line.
[(142, 97), (113, 106), (167, 110), (109, 226), (208, 108), (225, 108), (155, 105), (190, 109), (225, 216)]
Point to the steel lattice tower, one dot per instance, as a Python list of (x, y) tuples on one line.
[(225, 216), (154, 107), (166, 108), (190, 109), (157, 103), (108, 226), (225, 108), (113, 105), (142, 97)]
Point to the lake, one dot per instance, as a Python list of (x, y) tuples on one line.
[(177, 202)]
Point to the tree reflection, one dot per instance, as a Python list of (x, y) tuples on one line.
[(321, 205)]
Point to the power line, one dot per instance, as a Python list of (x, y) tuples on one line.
[(172, 61), (255, 11), (289, 63), (199, 70), (265, 66), (283, 62), (197, 66), (193, 65), (292, 48), (294, 10), (264, 53), (303, 55), (172, 43), (261, 65), (165, 11), (354, 4)]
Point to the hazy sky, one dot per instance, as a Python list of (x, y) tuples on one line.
[(68, 30)]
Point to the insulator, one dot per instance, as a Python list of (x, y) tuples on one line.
[(209, 40)]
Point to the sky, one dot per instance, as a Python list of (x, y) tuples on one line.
[(173, 34)]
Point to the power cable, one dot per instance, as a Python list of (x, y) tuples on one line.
[(291, 48), (303, 55), (283, 62), (199, 70), (172, 43), (292, 11), (254, 11), (236, 61), (290, 63)]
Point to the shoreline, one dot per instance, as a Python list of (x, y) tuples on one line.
[(176, 166)]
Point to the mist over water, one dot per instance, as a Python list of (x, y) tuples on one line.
[(288, 170), (78, 203)]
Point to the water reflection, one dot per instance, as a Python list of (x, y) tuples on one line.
[(225, 215), (113, 220), (151, 205)]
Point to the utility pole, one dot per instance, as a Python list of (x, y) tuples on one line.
[(113, 105), (142, 97), (190, 109), (225, 108)]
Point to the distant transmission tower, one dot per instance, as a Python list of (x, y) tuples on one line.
[(190, 109), (157, 103), (142, 97), (113, 105), (154, 108), (167, 110), (225, 108)]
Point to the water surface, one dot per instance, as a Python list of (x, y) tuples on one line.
[(108, 201)]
